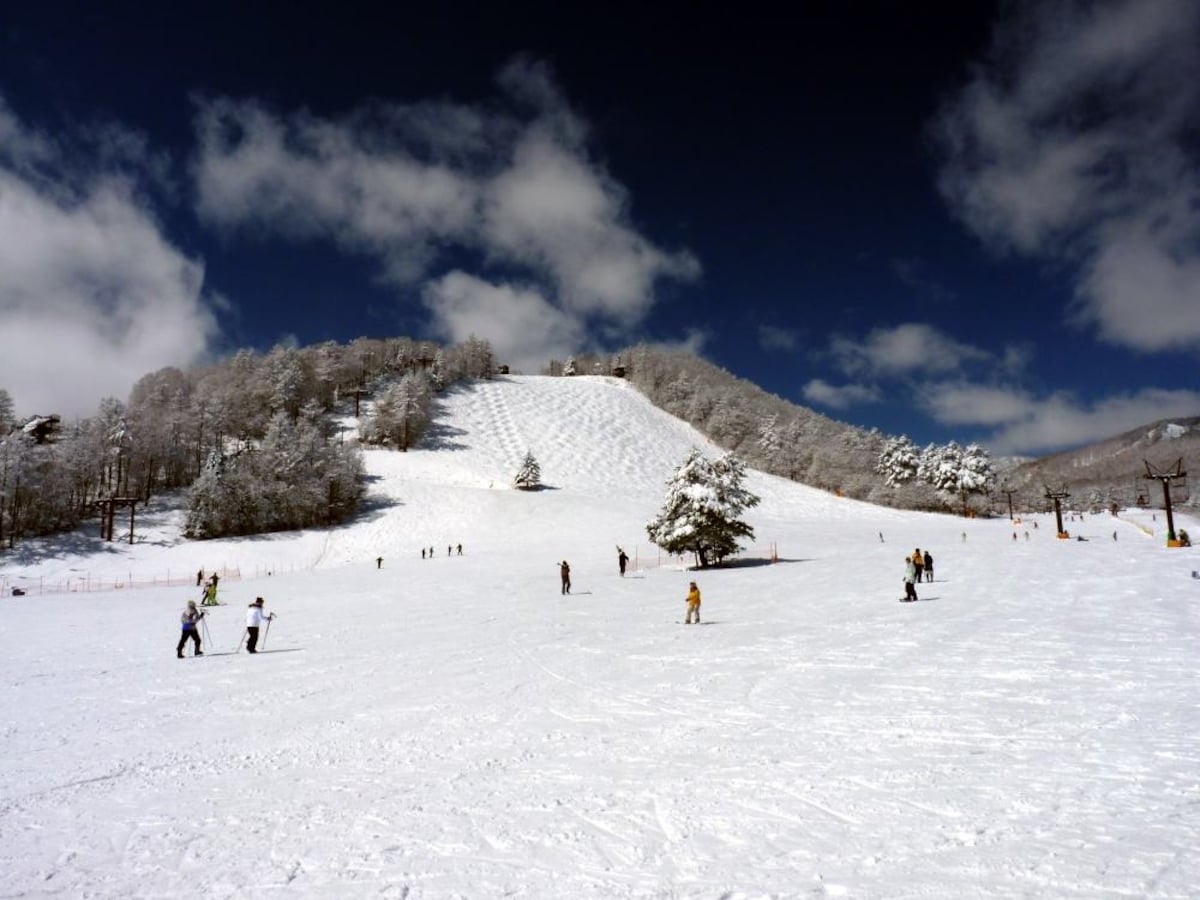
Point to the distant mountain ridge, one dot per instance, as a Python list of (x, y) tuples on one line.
[(1113, 470)]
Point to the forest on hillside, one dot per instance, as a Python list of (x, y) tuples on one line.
[(260, 442)]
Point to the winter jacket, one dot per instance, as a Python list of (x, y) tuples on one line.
[(910, 572), (190, 617), (255, 617), (929, 560), (693, 597)]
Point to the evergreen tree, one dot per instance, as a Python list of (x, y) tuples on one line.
[(529, 477), (702, 507), (899, 461)]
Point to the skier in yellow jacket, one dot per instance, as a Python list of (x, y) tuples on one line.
[(693, 602)]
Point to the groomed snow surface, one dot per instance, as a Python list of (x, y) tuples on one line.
[(456, 727)]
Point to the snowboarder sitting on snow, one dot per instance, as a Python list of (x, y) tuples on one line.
[(565, 571), (910, 578), (693, 602), (188, 621), (254, 619)]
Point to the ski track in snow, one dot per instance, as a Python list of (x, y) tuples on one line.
[(454, 727)]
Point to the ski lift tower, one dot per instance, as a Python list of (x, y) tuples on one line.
[(1167, 479), (1057, 497), (1008, 492)]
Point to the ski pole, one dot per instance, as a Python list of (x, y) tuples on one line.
[(267, 633), (207, 636), (242, 641)]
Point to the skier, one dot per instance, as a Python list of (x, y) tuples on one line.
[(254, 619), (910, 578), (918, 562), (199, 577), (422, 553), (210, 595), (379, 562), (622, 559), (564, 570), (928, 566), (460, 549), (189, 622), (693, 602)]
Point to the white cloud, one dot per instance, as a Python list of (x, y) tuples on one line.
[(510, 183), (92, 296), (1029, 425), (973, 404), (771, 337), (1075, 142), (823, 393), (1135, 264), (523, 328), (905, 349)]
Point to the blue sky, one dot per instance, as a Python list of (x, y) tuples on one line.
[(969, 221)]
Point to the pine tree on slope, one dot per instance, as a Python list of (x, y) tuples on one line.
[(529, 477), (701, 511)]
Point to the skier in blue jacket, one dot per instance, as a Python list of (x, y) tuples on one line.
[(190, 626)]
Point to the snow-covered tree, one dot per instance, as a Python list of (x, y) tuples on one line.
[(976, 475), (769, 442), (294, 478), (287, 380), (402, 412), (899, 461), (953, 471), (529, 476), (702, 509), (7, 413)]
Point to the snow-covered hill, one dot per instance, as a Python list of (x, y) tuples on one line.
[(454, 726)]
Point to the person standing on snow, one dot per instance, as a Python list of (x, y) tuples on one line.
[(622, 559), (564, 571), (910, 579), (254, 620), (189, 622), (928, 566), (693, 602), (919, 561)]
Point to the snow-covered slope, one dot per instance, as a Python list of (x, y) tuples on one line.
[(455, 726)]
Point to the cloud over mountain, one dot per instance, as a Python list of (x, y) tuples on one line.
[(509, 186)]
